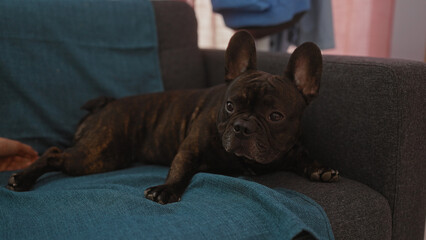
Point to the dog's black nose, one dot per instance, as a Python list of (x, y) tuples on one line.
[(244, 128)]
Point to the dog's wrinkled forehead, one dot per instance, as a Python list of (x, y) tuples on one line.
[(257, 86), (250, 86)]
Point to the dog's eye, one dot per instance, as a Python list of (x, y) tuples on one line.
[(229, 106), (276, 116)]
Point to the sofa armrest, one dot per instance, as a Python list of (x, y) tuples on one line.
[(369, 122)]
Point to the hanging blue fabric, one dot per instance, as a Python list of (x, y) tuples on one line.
[(258, 13)]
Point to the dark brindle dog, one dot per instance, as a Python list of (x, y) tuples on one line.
[(250, 124)]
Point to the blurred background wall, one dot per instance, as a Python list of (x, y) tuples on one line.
[(375, 28)]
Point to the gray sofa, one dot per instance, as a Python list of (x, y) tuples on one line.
[(368, 122)]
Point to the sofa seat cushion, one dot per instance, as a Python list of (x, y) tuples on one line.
[(355, 210)]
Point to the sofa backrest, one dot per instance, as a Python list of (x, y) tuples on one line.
[(180, 58)]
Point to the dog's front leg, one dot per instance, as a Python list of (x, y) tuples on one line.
[(182, 169)]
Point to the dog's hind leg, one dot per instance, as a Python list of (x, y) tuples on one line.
[(51, 160), (75, 161)]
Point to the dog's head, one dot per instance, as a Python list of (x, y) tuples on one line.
[(261, 113)]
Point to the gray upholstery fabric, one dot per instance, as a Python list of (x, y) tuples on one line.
[(180, 59), (368, 122), (214, 64), (411, 165)]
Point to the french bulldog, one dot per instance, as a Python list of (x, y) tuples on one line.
[(248, 125)]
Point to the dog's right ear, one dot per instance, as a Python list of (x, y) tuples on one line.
[(304, 68), (240, 55)]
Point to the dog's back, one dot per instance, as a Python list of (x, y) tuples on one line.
[(147, 128)]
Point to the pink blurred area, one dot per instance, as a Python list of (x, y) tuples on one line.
[(362, 27)]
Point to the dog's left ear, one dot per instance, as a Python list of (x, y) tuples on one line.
[(305, 68), (240, 55)]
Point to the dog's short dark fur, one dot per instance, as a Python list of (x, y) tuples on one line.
[(248, 125)]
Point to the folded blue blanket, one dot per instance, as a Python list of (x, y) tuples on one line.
[(111, 206)]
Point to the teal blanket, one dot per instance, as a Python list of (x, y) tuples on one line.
[(111, 206), (57, 54)]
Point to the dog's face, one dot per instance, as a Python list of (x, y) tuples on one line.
[(260, 116), (261, 113)]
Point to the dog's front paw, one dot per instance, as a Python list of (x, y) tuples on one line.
[(163, 194), (18, 183), (324, 175)]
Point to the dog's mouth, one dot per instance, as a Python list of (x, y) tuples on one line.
[(240, 153), (251, 149)]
